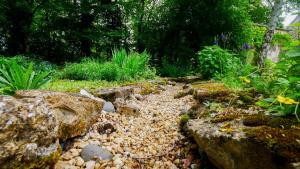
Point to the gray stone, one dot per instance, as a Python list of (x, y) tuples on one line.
[(109, 107), (113, 93), (138, 97), (161, 87), (93, 152)]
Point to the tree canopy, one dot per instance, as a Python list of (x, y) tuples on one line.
[(68, 30)]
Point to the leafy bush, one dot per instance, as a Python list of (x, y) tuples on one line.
[(214, 60), (123, 67), (15, 77), (87, 69), (109, 71)]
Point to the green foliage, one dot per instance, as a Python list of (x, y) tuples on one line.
[(282, 39), (214, 60), (278, 82), (87, 69), (236, 70), (66, 31), (109, 71), (256, 36), (123, 67), (15, 77)]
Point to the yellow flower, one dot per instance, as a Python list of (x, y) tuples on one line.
[(245, 79), (286, 100)]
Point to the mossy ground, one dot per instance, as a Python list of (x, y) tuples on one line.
[(73, 86)]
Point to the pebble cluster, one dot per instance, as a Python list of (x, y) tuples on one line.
[(151, 140)]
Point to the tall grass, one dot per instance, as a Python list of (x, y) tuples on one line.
[(122, 67)]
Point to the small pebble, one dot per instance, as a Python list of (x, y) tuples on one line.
[(90, 165)]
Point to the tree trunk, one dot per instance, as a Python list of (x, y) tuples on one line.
[(276, 12), (85, 25), (139, 44)]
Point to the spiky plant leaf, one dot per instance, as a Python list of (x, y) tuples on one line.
[(15, 77)]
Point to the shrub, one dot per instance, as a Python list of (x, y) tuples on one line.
[(213, 60), (109, 71), (15, 77)]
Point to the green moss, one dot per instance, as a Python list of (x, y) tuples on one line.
[(283, 142), (256, 120), (225, 117), (184, 119), (272, 121), (43, 162)]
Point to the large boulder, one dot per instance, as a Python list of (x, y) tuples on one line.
[(33, 122), (231, 145), (235, 135)]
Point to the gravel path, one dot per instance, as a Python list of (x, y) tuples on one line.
[(151, 140)]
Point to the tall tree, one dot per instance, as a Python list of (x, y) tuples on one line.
[(277, 7), (276, 12), (18, 17)]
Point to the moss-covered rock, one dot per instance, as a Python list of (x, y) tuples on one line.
[(231, 145), (211, 91)]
